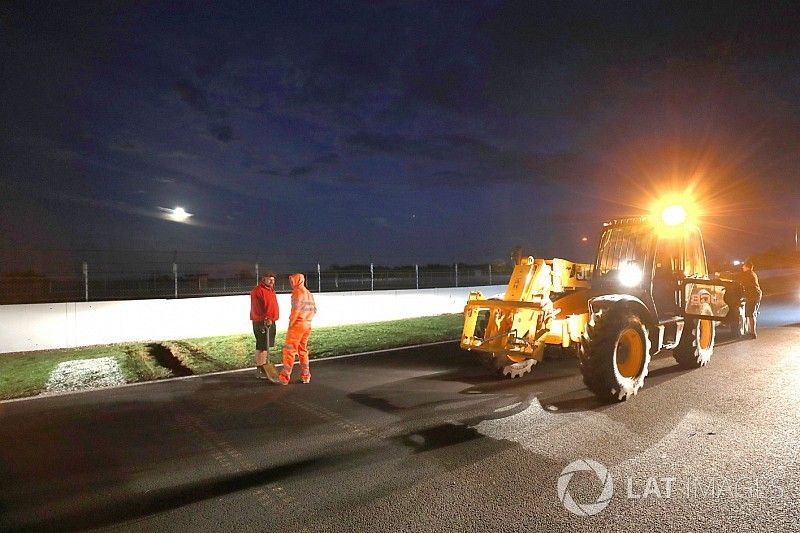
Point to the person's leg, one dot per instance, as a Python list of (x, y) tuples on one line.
[(261, 345), (267, 367), (755, 319), (749, 313), (289, 350), (302, 351)]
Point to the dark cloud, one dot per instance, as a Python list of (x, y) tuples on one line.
[(304, 170), (127, 147), (450, 85), (198, 99), (317, 164), (326, 159), (450, 178), (479, 162), (221, 131), (269, 172), (433, 148), (193, 95)]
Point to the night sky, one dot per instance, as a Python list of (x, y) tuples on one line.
[(393, 131)]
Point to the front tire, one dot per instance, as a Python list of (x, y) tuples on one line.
[(697, 343), (615, 355)]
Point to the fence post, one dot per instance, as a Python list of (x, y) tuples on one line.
[(456, 274), (85, 281), (175, 275), (319, 279), (416, 274), (371, 277), (490, 273)]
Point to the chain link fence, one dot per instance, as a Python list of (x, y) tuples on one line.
[(95, 282)]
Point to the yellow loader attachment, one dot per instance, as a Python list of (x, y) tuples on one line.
[(524, 321)]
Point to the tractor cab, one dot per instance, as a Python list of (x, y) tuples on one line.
[(661, 265)]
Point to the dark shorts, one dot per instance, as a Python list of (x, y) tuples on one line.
[(265, 335), (751, 308)]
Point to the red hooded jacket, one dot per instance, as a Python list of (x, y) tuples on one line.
[(263, 304)]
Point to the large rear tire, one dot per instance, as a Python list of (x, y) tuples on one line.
[(696, 345), (615, 355)]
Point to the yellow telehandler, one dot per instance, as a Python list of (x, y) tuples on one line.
[(515, 330), (648, 290)]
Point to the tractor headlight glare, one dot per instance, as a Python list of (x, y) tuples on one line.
[(630, 275)]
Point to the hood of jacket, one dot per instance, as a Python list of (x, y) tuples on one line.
[(297, 280)]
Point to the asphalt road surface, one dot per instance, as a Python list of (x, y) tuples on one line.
[(420, 440)]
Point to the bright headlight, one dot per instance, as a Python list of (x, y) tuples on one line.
[(673, 215), (630, 275)]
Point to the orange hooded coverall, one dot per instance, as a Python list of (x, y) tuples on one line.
[(303, 310)]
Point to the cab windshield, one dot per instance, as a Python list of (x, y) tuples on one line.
[(621, 245)]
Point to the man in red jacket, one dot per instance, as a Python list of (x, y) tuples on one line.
[(264, 314), (303, 310)]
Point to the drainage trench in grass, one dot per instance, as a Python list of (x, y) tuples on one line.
[(167, 359)]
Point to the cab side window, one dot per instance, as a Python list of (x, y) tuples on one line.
[(668, 258), (695, 266)]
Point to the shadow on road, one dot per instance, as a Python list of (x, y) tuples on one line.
[(438, 436), (157, 501), (556, 384)]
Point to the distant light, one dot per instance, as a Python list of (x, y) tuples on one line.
[(630, 275), (177, 214), (673, 215), (736, 262), (584, 239)]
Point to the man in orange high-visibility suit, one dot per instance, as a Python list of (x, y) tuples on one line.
[(303, 310)]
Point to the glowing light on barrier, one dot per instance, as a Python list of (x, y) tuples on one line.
[(630, 275)]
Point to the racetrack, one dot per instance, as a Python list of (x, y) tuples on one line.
[(421, 439)]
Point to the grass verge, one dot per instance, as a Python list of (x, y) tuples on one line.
[(26, 374)]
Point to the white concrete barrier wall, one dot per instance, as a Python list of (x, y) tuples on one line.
[(30, 327)]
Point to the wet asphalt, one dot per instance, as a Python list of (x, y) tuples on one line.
[(421, 439)]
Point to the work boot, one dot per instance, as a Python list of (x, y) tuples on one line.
[(260, 373), (282, 380), (305, 379)]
